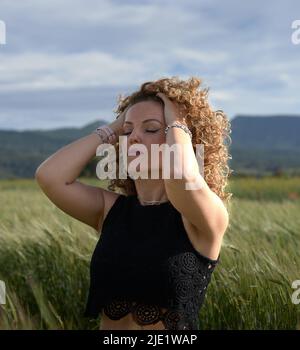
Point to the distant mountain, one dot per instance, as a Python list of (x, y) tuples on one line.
[(21, 152), (268, 133), (260, 144)]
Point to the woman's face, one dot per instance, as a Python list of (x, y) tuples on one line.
[(145, 124)]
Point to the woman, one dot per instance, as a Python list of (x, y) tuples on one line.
[(159, 242)]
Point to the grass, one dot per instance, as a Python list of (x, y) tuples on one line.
[(45, 256)]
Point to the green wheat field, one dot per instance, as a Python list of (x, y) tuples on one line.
[(45, 256)]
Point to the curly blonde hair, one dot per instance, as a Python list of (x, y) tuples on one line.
[(208, 127)]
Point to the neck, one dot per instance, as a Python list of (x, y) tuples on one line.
[(151, 191)]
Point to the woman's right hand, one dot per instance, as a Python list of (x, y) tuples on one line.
[(117, 125)]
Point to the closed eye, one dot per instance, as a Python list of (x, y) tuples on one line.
[(152, 131)]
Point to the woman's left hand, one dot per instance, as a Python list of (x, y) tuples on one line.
[(172, 110)]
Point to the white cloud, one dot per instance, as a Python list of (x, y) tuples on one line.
[(36, 71), (200, 56)]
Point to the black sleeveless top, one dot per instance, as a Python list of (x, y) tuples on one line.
[(145, 261)]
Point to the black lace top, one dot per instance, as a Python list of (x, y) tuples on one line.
[(144, 261)]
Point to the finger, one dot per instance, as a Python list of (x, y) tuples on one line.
[(165, 99), (161, 95)]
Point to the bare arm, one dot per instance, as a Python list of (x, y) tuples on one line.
[(57, 177), (205, 210)]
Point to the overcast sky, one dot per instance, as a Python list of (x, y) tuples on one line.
[(65, 62)]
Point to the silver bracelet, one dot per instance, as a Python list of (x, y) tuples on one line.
[(106, 134), (177, 124)]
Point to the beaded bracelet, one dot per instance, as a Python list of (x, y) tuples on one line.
[(177, 124), (105, 133)]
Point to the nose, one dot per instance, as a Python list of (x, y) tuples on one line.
[(133, 138)]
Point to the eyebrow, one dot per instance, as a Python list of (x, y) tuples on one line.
[(145, 121)]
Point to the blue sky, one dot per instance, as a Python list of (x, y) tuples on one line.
[(65, 62)]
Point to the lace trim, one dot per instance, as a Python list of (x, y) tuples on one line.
[(145, 314), (188, 278)]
